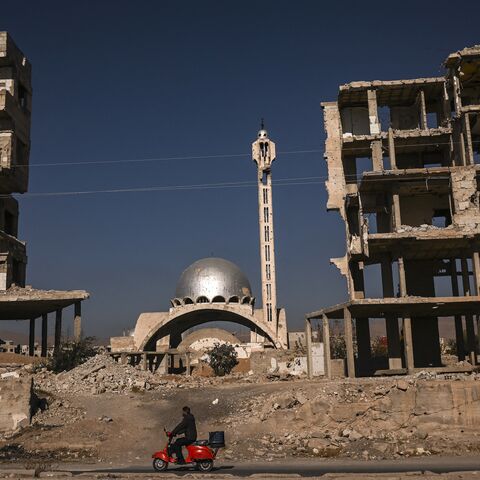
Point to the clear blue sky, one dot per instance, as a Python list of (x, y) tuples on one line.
[(117, 80)]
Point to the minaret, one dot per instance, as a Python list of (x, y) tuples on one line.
[(263, 154)]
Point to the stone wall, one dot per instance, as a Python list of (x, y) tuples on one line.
[(16, 396)]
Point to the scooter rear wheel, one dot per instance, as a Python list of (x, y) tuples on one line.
[(159, 465), (205, 465)]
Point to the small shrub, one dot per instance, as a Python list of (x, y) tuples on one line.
[(222, 359), (72, 353), (338, 347), (380, 347)]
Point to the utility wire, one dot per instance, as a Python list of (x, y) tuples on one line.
[(226, 155), (292, 181)]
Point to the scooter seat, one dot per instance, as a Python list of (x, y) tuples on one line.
[(200, 443)]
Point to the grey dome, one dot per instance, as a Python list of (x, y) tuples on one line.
[(213, 280)]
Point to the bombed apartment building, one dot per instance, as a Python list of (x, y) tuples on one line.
[(403, 162), (17, 300)]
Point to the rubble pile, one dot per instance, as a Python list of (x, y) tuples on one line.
[(102, 374), (374, 419)]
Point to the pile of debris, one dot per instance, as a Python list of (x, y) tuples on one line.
[(102, 374), (373, 419)]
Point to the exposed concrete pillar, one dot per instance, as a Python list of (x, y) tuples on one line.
[(58, 331), (397, 217), (391, 149), (163, 365), (423, 110), (391, 321), (408, 342), (476, 273), (308, 341), (465, 277), (144, 361), (326, 347), (445, 107), (347, 317), (458, 318), (457, 100), (376, 145), (468, 137), (77, 322), (123, 358), (470, 328), (373, 112), (377, 155), (407, 321), (364, 350), (31, 338), (187, 363), (44, 335), (401, 277)]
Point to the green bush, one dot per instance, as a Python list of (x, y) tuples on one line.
[(72, 353), (338, 347), (222, 359)]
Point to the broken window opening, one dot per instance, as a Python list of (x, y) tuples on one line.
[(441, 218), (371, 219), (443, 285), (384, 117), (265, 195), (432, 120), (264, 148), (269, 312), (420, 210), (354, 167), (372, 275), (355, 121)]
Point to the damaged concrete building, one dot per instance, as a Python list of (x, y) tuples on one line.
[(403, 172), (18, 301)]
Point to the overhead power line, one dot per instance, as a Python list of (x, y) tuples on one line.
[(165, 188), (289, 181), (216, 156)]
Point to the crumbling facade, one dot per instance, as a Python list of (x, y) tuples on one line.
[(403, 173), (16, 301)]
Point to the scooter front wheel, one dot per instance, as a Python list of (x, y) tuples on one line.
[(205, 465), (159, 465)]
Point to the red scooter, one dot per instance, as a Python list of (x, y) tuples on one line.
[(201, 455)]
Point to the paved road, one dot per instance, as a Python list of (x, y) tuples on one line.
[(312, 468)]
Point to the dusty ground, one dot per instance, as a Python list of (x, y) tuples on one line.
[(264, 418)]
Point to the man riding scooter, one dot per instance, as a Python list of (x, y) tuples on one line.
[(187, 427)]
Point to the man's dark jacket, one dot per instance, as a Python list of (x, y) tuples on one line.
[(187, 426)]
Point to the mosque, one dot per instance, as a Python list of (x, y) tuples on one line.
[(216, 290)]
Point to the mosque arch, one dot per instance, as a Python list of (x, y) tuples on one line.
[(246, 300), (176, 302), (185, 318)]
